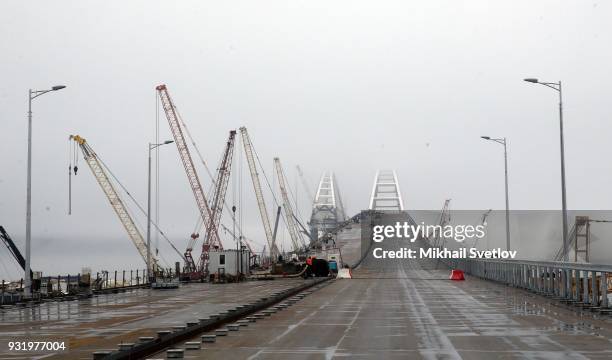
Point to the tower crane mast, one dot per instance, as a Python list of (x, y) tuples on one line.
[(296, 235), (248, 150), (192, 176), (115, 200), (218, 200)]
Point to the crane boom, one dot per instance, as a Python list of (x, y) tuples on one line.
[(192, 176), (248, 150), (115, 200), (296, 238), (218, 200), (13, 249), (308, 192)]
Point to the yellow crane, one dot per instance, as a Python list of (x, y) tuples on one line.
[(115, 200)]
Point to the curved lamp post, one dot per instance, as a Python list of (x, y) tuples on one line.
[(557, 87), (503, 142), (33, 94)]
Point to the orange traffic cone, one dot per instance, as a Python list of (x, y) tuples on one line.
[(456, 275)]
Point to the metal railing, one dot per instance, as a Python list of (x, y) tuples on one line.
[(79, 284), (586, 285)]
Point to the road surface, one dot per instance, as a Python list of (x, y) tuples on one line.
[(408, 309)]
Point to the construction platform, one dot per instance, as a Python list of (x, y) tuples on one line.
[(105, 321)]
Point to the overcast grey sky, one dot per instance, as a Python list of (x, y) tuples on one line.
[(349, 86)]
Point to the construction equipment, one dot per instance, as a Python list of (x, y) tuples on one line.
[(218, 201), (278, 212), (194, 181), (249, 152), (580, 239), (296, 236), (243, 239), (13, 249), (306, 188), (304, 230), (115, 200), (443, 219)]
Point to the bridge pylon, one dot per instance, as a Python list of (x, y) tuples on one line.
[(327, 208), (386, 194)]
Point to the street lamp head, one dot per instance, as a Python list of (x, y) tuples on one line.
[(168, 142), (486, 137), (531, 80), (58, 87)]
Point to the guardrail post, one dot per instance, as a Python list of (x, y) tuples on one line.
[(546, 272), (558, 282), (509, 274), (551, 281), (568, 283), (527, 277), (594, 289), (603, 282), (517, 275), (585, 287), (506, 273), (577, 282), (559, 279)]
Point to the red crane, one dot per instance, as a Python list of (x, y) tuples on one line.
[(218, 200), (203, 207)]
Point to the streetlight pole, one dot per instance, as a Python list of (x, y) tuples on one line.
[(32, 94), (149, 269), (504, 142), (237, 244), (557, 86)]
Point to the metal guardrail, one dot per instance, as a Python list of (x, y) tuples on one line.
[(582, 284)]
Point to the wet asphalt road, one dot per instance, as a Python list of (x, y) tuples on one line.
[(408, 309)]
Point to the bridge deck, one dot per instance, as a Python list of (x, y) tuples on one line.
[(107, 320), (418, 314), (397, 308)]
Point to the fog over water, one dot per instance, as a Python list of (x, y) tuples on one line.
[(347, 86)]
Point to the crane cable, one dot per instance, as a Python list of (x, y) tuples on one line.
[(199, 221), (267, 182), (157, 172), (137, 204)]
